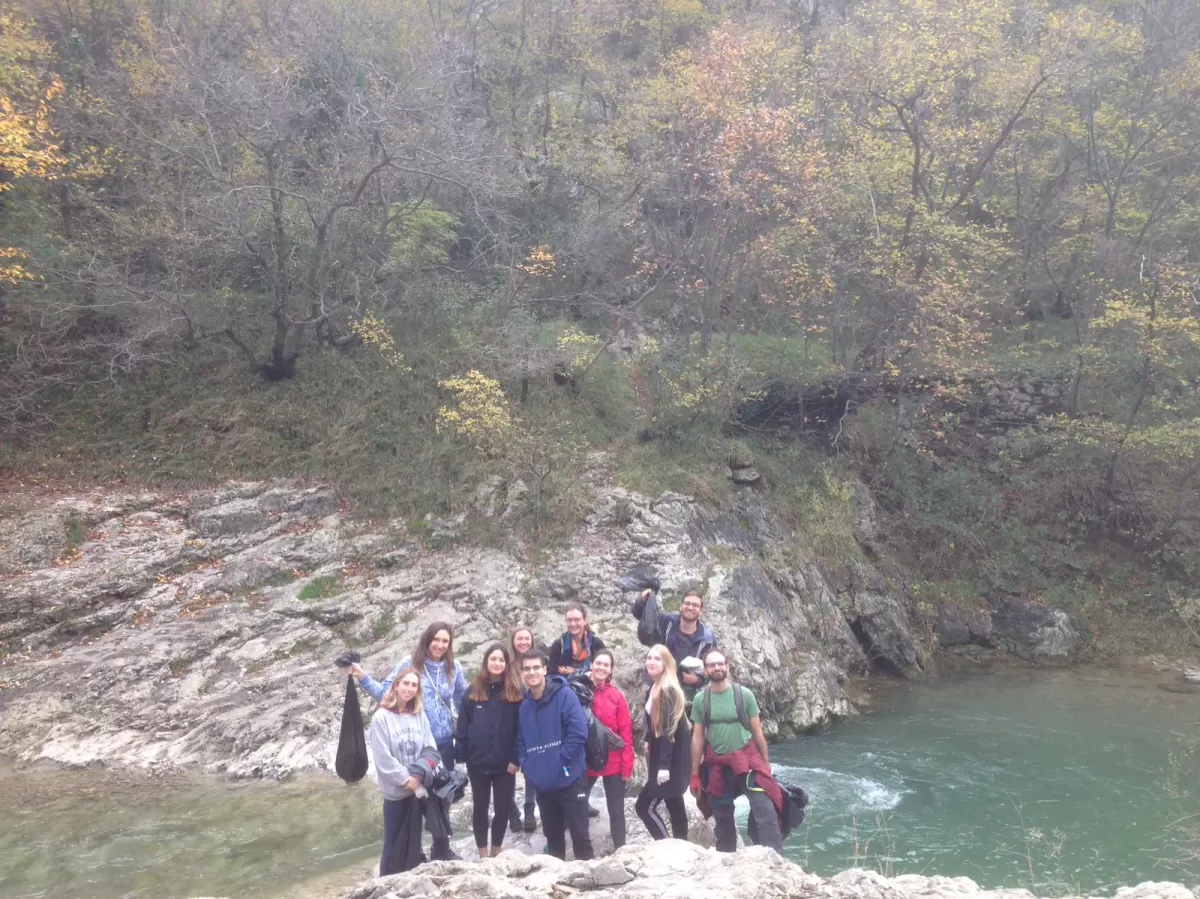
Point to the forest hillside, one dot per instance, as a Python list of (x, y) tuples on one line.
[(947, 249)]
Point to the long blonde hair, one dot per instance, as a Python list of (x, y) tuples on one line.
[(391, 699), (666, 696)]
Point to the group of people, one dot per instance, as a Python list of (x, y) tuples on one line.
[(520, 715)]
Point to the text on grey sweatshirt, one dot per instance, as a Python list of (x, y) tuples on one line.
[(396, 742)]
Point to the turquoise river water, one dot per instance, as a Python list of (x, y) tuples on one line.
[(1063, 781)]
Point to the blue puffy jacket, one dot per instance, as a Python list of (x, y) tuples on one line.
[(552, 736)]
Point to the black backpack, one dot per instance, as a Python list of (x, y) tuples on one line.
[(598, 746), (600, 739), (795, 801)]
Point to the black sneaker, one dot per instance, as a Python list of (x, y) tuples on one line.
[(530, 823), (514, 822), (593, 812), (441, 852)]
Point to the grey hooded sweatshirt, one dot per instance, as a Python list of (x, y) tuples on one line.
[(397, 741)]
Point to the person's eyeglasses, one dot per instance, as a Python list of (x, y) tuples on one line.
[(716, 664), (574, 621), (531, 670)]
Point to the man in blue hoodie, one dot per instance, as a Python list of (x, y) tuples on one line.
[(550, 746)]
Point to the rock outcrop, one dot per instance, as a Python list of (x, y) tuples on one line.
[(1036, 632), (671, 868), (197, 630)]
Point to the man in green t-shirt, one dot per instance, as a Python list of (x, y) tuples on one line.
[(729, 747)]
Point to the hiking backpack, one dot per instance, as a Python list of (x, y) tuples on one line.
[(600, 738), (597, 748), (738, 702)]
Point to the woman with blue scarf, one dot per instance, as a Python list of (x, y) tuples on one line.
[(443, 687)]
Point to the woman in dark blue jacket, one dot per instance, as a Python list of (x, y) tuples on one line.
[(487, 742)]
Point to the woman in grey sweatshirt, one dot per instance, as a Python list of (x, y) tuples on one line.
[(400, 736)]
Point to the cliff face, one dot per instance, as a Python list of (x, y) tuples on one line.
[(197, 630)]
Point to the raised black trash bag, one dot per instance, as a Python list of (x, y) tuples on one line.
[(637, 580), (351, 762)]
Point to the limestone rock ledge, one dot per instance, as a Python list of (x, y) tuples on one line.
[(672, 869), (196, 630)]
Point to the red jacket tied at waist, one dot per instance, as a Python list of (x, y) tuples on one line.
[(745, 760)]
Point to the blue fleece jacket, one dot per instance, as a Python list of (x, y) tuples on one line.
[(552, 736), (437, 693)]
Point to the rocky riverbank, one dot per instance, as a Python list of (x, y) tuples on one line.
[(676, 870), (196, 630)]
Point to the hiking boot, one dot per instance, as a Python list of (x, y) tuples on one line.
[(514, 822), (530, 823), (593, 812)]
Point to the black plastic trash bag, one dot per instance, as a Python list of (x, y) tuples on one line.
[(635, 580), (351, 762), (640, 579)]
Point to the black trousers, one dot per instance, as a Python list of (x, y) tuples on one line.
[(500, 788), (614, 796), (762, 812), (649, 809), (565, 810), (445, 748)]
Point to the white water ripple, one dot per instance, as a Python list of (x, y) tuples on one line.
[(837, 792)]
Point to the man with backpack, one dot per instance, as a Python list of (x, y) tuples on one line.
[(683, 633), (729, 759), (551, 749)]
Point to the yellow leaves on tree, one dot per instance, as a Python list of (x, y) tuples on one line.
[(542, 458), (579, 347), (540, 263), (732, 102), (27, 144), (481, 414), (1155, 321), (371, 330)]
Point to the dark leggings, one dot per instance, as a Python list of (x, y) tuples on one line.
[(649, 809), (501, 787), (614, 795)]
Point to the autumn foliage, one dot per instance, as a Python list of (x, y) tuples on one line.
[(527, 210)]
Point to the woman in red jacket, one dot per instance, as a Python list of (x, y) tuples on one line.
[(612, 710)]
